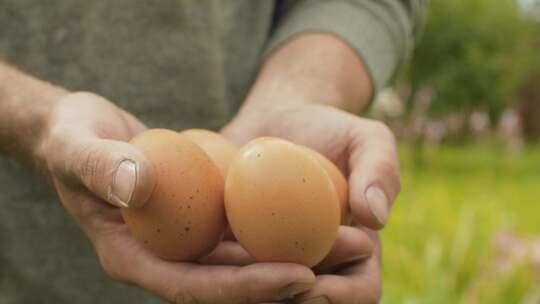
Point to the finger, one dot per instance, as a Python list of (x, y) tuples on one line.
[(192, 283), (374, 179), (357, 284), (255, 283), (228, 253), (333, 289), (92, 214), (115, 171), (352, 245)]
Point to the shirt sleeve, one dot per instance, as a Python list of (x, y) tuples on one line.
[(382, 32)]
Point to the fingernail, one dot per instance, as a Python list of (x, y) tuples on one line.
[(294, 289), (124, 181), (317, 300), (378, 204)]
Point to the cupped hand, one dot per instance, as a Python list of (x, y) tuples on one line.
[(349, 274), (365, 151), (85, 155), (355, 282)]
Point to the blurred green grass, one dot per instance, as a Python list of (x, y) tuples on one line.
[(439, 245)]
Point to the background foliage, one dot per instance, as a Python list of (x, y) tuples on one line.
[(475, 54), (444, 242), (440, 247)]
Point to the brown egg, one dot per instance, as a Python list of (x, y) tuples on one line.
[(340, 183), (219, 149), (281, 204), (184, 217)]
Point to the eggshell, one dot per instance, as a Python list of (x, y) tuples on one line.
[(281, 204), (221, 150), (340, 184), (184, 217)]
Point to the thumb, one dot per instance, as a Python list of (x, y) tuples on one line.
[(115, 171), (374, 180)]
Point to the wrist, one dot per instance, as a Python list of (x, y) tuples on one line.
[(26, 120), (41, 122)]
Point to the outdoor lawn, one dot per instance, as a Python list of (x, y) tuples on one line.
[(439, 246)]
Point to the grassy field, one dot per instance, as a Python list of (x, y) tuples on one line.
[(439, 247)]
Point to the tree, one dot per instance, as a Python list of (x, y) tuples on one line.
[(475, 54)]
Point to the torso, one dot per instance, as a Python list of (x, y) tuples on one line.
[(174, 64)]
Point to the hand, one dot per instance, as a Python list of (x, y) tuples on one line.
[(94, 171), (365, 151), (349, 274), (356, 282)]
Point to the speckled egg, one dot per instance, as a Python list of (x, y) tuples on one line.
[(340, 183), (281, 203), (221, 150), (184, 217)]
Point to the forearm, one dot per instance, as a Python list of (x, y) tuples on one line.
[(25, 102), (312, 68)]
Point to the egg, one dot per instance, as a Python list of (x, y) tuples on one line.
[(340, 183), (219, 149), (184, 216), (281, 203)]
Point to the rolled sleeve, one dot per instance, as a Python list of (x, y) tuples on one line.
[(381, 32)]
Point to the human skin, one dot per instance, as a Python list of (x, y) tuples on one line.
[(302, 94), (77, 140)]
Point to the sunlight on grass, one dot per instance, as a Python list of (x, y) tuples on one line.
[(439, 246)]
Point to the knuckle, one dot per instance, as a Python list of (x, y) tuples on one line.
[(88, 163), (394, 177), (389, 169), (92, 166)]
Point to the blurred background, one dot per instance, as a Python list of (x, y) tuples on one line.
[(466, 109)]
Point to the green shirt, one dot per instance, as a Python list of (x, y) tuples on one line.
[(172, 63)]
